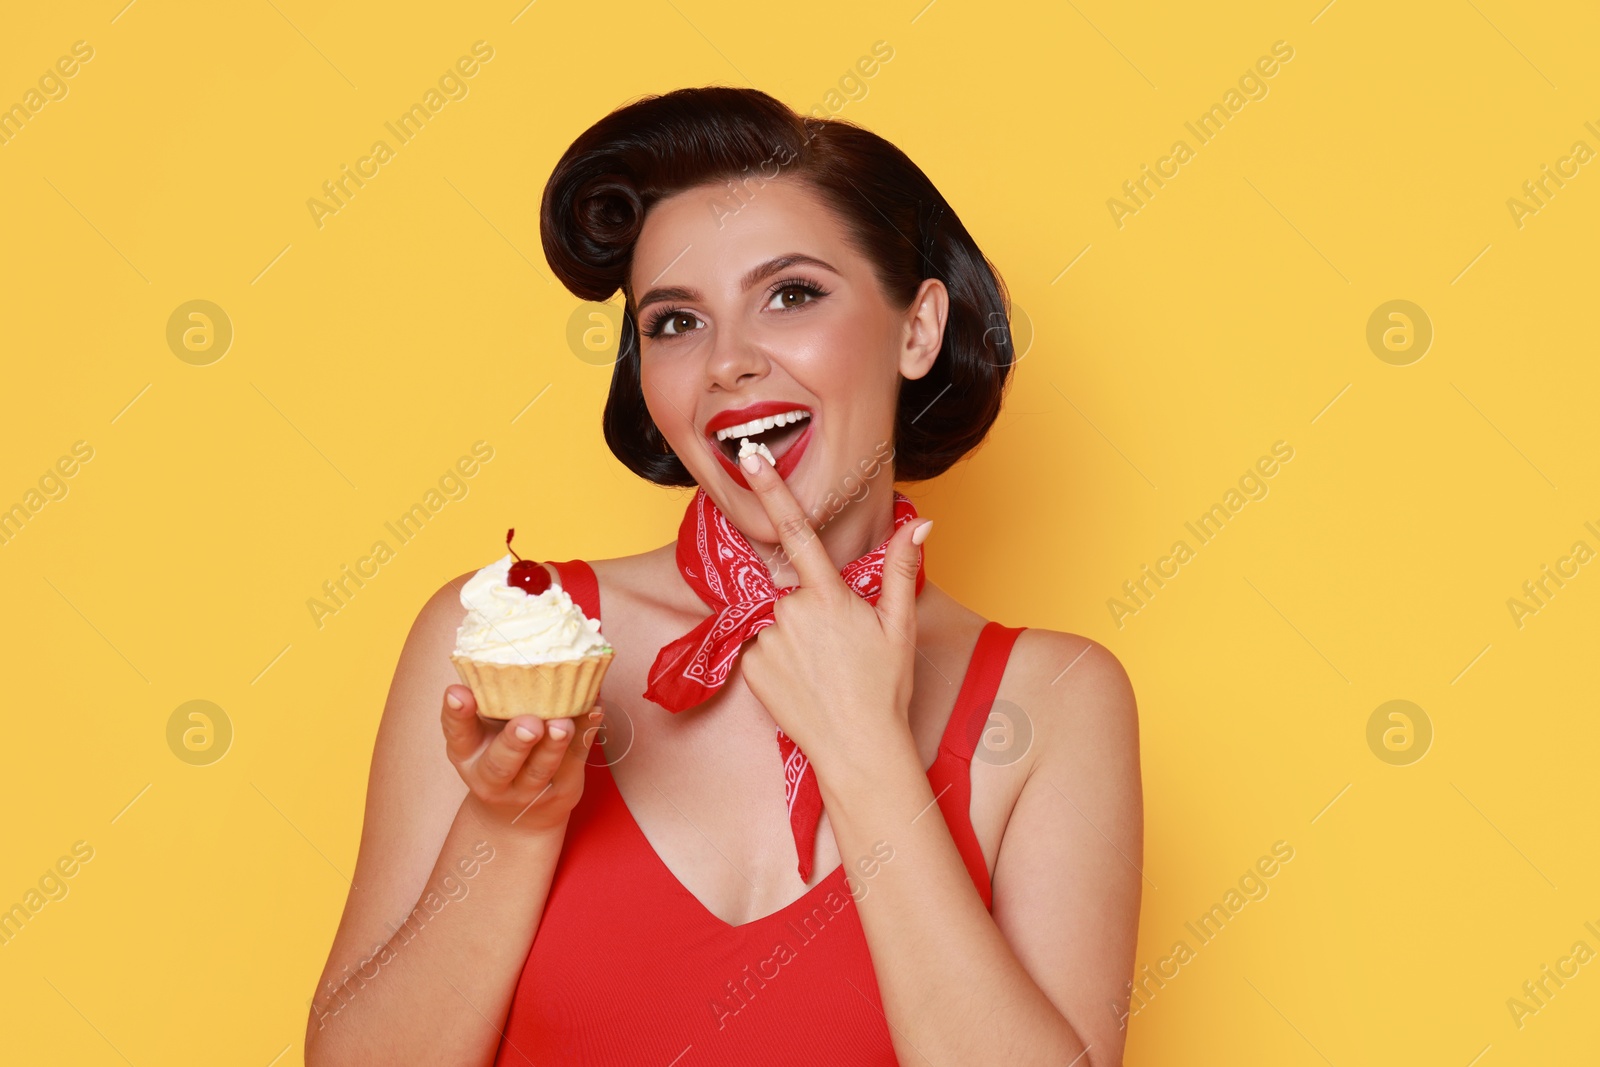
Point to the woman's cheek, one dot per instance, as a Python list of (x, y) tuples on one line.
[(664, 407)]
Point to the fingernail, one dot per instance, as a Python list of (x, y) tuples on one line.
[(558, 731), (524, 734), (920, 534), (751, 463), (453, 701), (594, 716)]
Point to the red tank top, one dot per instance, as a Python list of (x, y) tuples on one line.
[(628, 967)]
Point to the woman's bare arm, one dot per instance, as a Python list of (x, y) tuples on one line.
[(1037, 979), (461, 836)]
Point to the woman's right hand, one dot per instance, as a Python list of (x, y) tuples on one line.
[(529, 783)]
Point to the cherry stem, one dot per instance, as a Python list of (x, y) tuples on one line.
[(509, 534)]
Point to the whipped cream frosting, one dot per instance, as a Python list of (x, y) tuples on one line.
[(506, 625), (746, 446)]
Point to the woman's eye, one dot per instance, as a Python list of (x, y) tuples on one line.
[(672, 320), (804, 294)]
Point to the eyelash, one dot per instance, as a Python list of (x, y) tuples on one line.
[(653, 326)]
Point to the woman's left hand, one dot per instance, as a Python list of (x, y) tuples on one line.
[(834, 671)]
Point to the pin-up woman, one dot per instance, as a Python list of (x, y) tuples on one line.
[(822, 812)]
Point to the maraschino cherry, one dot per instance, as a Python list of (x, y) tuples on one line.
[(526, 574)]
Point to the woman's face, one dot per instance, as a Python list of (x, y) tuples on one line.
[(765, 310)]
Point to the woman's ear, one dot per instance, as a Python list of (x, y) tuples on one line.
[(924, 332)]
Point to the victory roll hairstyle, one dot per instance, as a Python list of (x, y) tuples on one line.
[(598, 195)]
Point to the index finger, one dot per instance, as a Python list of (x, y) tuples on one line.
[(463, 733), (799, 540)]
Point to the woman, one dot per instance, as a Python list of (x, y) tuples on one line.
[(916, 892)]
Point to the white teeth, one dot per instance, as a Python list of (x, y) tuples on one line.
[(755, 426)]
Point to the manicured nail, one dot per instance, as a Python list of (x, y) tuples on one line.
[(594, 716), (920, 534), (453, 701), (558, 732), (751, 463), (524, 734)]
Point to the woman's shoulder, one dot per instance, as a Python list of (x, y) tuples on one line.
[(1055, 658), (647, 579), (1041, 661), (636, 571), (1076, 694), (1063, 681), (443, 611), (1073, 690)]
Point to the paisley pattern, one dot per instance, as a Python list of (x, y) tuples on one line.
[(721, 567)]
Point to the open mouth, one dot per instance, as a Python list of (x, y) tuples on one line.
[(777, 432), (779, 428)]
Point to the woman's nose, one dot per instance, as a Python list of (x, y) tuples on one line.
[(734, 360)]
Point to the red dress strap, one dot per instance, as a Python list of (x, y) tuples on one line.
[(579, 580), (951, 773)]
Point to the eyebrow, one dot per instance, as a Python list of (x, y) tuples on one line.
[(678, 293)]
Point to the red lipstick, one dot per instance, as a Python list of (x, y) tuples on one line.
[(734, 416)]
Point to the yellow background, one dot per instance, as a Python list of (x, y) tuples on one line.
[(1228, 313)]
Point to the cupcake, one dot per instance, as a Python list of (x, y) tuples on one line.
[(525, 648)]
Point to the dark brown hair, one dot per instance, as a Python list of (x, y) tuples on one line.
[(594, 208)]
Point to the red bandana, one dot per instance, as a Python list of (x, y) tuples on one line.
[(719, 565)]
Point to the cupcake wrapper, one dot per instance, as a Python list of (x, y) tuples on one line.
[(562, 689)]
